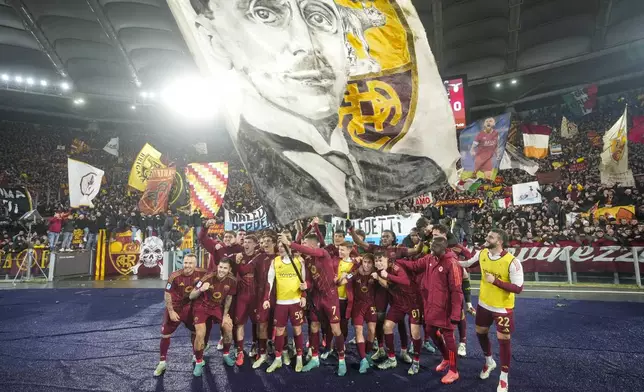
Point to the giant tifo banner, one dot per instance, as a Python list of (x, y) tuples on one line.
[(333, 105), (207, 183), (149, 158), (251, 221), (10, 262), (482, 145), (582, 259), (16, 200), (373, 227)]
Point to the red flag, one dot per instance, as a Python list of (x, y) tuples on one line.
[(636, 134)]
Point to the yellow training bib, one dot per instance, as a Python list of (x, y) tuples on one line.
[(286, 280), (343, 268), (489, 293)]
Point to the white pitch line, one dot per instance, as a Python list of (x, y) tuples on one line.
[(577, 291)]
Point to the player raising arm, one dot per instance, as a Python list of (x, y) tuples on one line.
[(214, 296), (501, 279)]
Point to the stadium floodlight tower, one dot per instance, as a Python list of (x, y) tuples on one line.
[(28, 220)]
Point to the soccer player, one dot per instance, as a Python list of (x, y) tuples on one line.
[(388, 245), (345, 265), (442, 299), (178, 307), (326, 304), (361, 290), (405, 299), (263, 315), (212, 308), (290, 304), (246, 293), (501, 280)]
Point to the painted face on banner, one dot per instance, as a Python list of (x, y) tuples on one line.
[(292, 51)]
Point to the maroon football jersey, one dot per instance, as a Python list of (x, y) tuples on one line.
[(179, 286), (364, 290)]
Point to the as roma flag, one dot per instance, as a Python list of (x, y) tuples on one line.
[(157, 193)]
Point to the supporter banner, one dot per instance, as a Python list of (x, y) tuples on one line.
[(112, 147), (207, 183), (157, 192), (513, 160), (179, 198), (536, 139), (79, 146), (123, 256), (614, 165), (77, 237), (149, 158), (423, 200), (549, 177), (201, 148), (482, 145), (10, 262), (526, 193), (594, 138), (251, 221), (582, 101), (582, 259), (359, 119), (84, 183), (216, 229), (577, 167), (555, 149), (460, 202), (373, 227), (16, 200), (636, 134), (188, 238)]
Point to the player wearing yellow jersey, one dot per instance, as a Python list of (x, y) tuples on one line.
[(346, 265), (290, 304), (501, 279)]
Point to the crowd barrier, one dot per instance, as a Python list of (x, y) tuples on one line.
[(54, 266)]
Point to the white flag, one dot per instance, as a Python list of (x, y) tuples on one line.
[(614, 165), (84, 183), (202, 148), (568, 128), (112, 147), (512, 160)]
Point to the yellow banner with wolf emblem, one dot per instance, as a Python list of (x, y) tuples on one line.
[(333, 105), (614, 157), (149, 158)]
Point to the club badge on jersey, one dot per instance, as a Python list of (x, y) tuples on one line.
[(168, 286)]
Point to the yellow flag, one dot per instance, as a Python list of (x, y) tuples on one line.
[(149, 158)]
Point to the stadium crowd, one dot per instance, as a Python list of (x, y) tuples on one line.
[(41, 168)]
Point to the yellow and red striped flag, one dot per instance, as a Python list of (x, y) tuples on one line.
[(207, 183)]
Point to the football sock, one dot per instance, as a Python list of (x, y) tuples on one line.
[(240, 345), (484, 341), (404, 339), (505, 349), (299, 344), (389, 342), (368, 347), (279, 345), (262, 346), (226, 348), (315, 343), (165, 344), (199, 355), (418, 345), (462, 330), (361, 350), (339, 346)]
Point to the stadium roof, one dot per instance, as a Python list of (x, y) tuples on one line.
[(112, 51)]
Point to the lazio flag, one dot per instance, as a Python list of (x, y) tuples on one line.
[(149, 158)]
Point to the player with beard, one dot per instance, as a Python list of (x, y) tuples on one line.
[(178, 306), (405, 299), (501, 280), (326, 304), (361, 291), (289, 304), (485, 148), (212, 308), (387, 245), (462, 253), (246, 293), (218, 252), (442, 299), (263, 313)]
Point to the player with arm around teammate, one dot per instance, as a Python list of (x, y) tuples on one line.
[(501, 280)]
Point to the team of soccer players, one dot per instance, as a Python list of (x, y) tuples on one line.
[(273, 280)]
